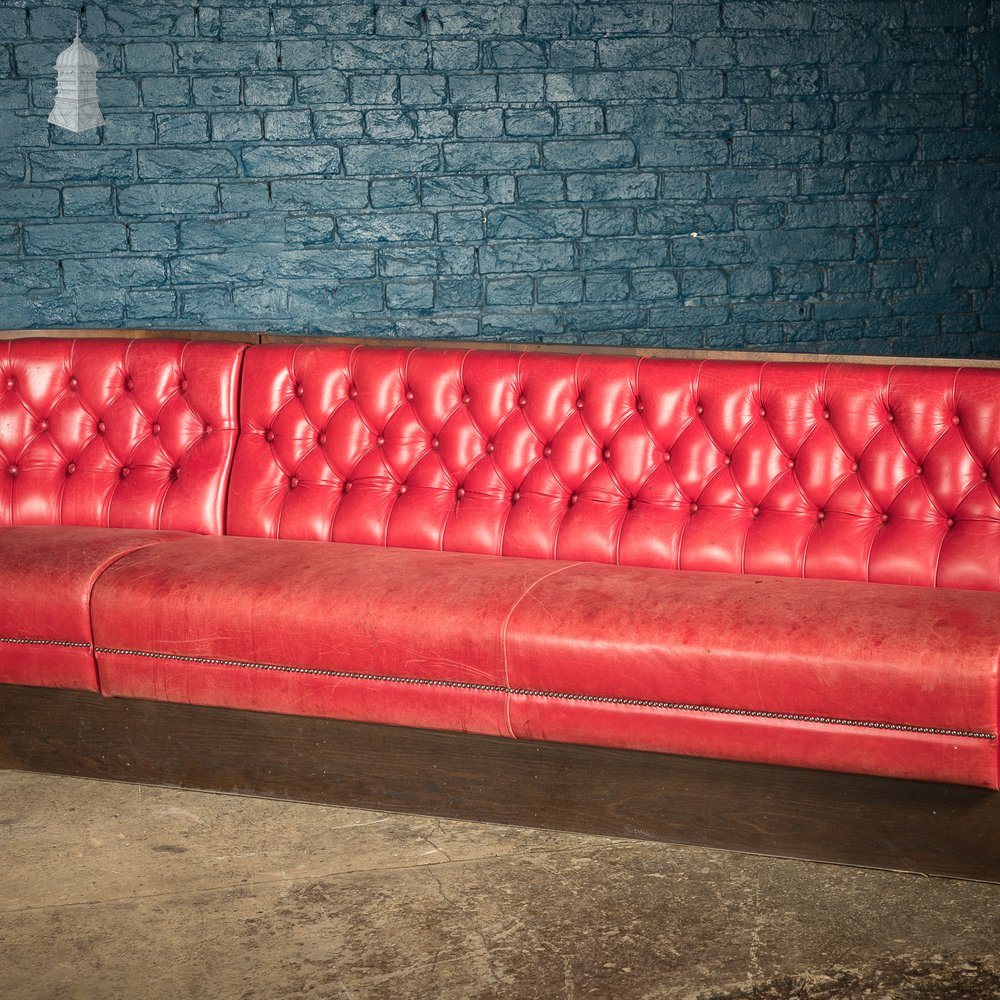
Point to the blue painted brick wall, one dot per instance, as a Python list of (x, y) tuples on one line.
[(514, 170)]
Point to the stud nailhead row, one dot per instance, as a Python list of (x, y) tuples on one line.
[(566, 696), (43, 642)]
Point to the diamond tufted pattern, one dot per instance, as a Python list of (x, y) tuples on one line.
[(117, 433), (853, 472)]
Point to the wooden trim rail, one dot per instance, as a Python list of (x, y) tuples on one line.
[(912, 826)]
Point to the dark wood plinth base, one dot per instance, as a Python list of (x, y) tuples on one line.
[(815, 815)]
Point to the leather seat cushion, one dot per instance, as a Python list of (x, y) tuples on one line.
[(877, 678), (48, 575), (347, 631)]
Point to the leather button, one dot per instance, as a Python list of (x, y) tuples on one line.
[(666, 457), (985, 474), (632, 503), (466, 398), (522, 401), (790, 464), (70, 469), (321, 438), (207, 429), (435, 442), (380, 440), (579, 403), (101, 428), (919, 470), (489, 446), (756, 512), (402, 488), (184, 385), (890, 416), (547, 450), (574, 498), (409, 395), (639, 406), (175, 473), (346, 488), (43, 425), (699, 409), (762, 412), (515, 496), (821, 515), (12, 470), (855, 466), (606, 454), (269, 435), (826, 414), (125, 470), (885, 518), (352, 392), (10, 383), (460, 492), (73, 382), (292, 483), (951, 522), (154, 429), (129, 384), (298, 389), (956, 420), (694, 508), (727, 460)]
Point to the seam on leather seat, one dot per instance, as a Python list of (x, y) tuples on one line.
[(561, 695), (43, 642), (503, 640)]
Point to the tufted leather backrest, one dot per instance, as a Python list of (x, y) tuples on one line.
[(117, 433), (837, 471)]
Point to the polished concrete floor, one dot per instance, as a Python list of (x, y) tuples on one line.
[(126, 891)]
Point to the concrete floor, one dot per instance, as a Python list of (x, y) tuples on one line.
[(125, 891)]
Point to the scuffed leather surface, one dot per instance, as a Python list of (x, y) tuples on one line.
[(914, 657), (854, 472), (117, 433), (396, 615), (45, 588)]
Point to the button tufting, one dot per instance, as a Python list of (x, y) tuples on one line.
[(489, 446), (727, 460), (919, 470), (951, 522), (352, 392), (579, 403), (101, 427), (632, 503), (821, 515), (574, 498), (985, 474), (606, 454), (790, 464), (466, 397), (175, 473), (639, 406), (435, 442), (293, 482), (409, 395), (699, 409), (515, 496), (666, 457), (346, 488), (70, 469), (10, 383), (154, 429), (125, 470), (321, 437), (826, 414), (73, 382), (298, 389), (756, 512), (183, 385), (522, 401), (885, 518), (855, 466), (269, 435), (956, 420), (129, 384), (12, 470), (890, 416), (208, 428), (43, 424), (460, 492), (547, 450), (402, 488), (380, 440), (694, 508), (762, 412)]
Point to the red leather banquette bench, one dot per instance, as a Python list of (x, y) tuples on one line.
[(755, 561)]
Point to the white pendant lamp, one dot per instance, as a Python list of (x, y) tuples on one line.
[(76, 107)]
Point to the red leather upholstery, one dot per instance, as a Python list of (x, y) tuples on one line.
[(375, 634), (885, 474), (45, 599), (117, 433)]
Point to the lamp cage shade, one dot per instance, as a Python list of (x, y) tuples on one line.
[(76, 107)]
